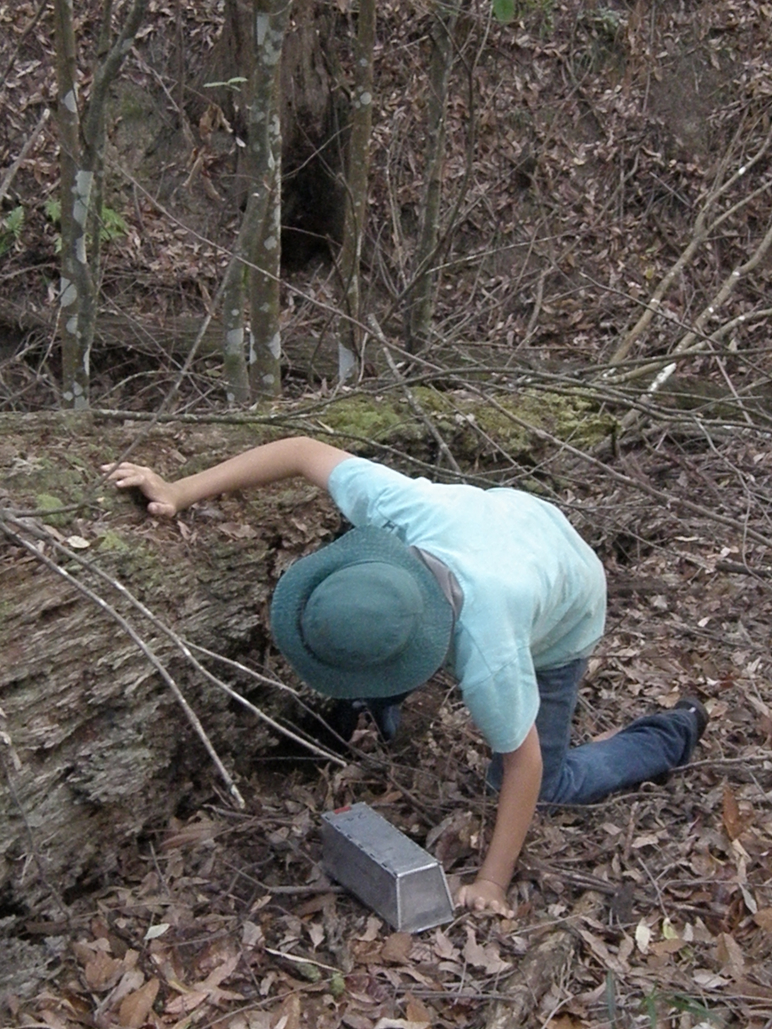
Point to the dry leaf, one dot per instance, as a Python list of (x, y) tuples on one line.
[(733, 822), (642, 937), (648, 840), (289, 1015), (157, 930), (397, 947), (486, 958), (251, 935), (598, 947), (443, 948), (400, 1023), (131, 980), (763, 918), (372, 929), (136, 1006), (186, 1002), (237, 531), (103, 972), (730, 954), (194, 832), (709, 980), (417, 1011), (669, 946), (208, 989), (52, 1020)]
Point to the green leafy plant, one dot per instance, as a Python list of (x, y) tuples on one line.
[(10, 229), (112, 225), (504, 11), (684, 1005)]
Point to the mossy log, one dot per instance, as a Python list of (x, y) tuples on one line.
[(95, 747)]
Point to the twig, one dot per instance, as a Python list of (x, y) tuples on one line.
[(302, 961), (687, 344), (738, 569), (5, 185), (701, 232), (20, 42), (644, 487)]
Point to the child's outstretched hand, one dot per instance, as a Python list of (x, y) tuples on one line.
[(160, 493), (484, 895)]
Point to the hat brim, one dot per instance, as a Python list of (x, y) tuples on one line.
[(412, 667)]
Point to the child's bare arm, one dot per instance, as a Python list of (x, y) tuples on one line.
[(281, 459), (517, 803)]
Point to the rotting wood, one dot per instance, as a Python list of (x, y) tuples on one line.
[(542, 966), (95, 749)]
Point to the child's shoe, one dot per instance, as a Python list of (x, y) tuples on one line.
[(698, 709)]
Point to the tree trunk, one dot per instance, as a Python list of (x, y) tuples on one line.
[(234, 355), (75, 282), (94, 747), (356, 180), (421, 300), (81, 144), (270, 19)]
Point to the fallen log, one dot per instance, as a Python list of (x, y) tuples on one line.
[(95, 746)]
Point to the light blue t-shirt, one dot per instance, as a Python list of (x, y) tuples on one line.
[(534, 591)]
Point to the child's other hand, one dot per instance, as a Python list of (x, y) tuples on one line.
[(160, 493), (484, 895)]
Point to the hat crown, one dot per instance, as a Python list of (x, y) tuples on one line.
[(381, 629), (362, 616)]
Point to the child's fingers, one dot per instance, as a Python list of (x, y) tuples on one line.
[(469, 898), (163, 510), (125, 468), (127, 474)]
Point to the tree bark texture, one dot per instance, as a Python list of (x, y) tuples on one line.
[(234, 354), (95, 750), (81, 160), (269, 24), (357, 168), (421, 300)]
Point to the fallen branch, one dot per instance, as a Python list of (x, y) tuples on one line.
[(702, 230), (544, 965), (5, 185)]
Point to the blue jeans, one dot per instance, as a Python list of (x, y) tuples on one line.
[(645, 750)]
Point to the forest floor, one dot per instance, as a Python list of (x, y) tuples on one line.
[(653, 908)]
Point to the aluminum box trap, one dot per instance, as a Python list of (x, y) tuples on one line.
[(385, 869)]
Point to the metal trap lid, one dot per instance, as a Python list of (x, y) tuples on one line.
[(385, 869)]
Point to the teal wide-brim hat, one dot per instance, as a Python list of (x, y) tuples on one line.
[(362, 617)]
